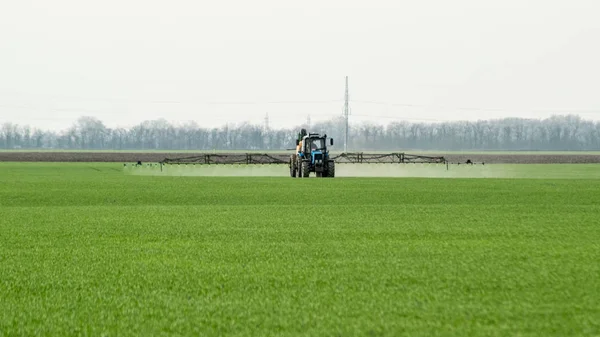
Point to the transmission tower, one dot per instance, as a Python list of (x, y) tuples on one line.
[(266, 122), (346, 117)]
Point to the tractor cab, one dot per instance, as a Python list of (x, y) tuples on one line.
[(313, 143)]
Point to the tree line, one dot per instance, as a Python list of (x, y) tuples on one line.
[(557, 133)]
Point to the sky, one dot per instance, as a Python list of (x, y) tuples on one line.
[(234, 61)]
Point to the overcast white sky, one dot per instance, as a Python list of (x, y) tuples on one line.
[(125, 61)]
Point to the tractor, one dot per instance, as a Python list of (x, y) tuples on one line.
[(312, 155)]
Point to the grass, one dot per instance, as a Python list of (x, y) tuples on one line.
[(420, 170), (88, 250)]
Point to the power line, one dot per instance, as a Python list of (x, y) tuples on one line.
[(267, 102), (404, 118), (373, 102), (477, 108)]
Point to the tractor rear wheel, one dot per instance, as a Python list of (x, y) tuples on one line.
[(292, 167), (305, 169)]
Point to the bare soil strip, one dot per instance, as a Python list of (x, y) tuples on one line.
[(132, 157)]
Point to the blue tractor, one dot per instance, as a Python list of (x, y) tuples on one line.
[(312, 155)]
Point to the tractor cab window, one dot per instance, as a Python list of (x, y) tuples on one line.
[(317, 144)]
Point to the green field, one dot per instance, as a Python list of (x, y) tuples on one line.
[(93, 249)]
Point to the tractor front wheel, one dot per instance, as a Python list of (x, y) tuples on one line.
[(331, 169)]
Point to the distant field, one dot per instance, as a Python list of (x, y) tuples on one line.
[(333, 150), (92, 249)]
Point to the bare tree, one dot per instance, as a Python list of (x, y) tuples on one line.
[(554, 133)]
